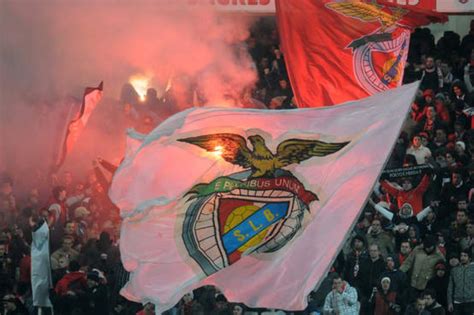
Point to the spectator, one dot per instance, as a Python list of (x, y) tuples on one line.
[(72, 281), (97, 300), (431, 305), (421, 263), (383, 240), (432, 77), (354, 259), (439, 283), (417, 149), (61, 258), (417, 307), (460, 96), (455, 190), (12, 306), (406, 194), (398, 279), (385, 299), (342, 299), (461, 286), (370, 271), (405, 250), (468, 241)]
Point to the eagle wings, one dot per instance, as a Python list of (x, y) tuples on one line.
[(233, 149), (367, 12)]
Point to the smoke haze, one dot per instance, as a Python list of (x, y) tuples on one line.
[(51, 50)]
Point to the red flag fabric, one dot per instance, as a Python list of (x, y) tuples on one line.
[(337, 51), (92, 96)]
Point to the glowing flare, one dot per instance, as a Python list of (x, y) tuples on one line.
[(218, 150), (140, 84)]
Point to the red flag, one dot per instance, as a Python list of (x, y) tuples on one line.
[(338, 51), (92, 96)]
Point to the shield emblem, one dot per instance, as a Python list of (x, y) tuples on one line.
[(246, 222), (219, 229)]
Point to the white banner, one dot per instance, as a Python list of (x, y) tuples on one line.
[(255, 202)]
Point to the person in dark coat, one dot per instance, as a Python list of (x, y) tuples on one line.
[(439, 283), (370, 271), (353, 260), (96, 296), (398, 279), (431, 304)]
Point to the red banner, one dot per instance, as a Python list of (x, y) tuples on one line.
[(337, 51), (91, 98)]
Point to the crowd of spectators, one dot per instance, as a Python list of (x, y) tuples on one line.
[(410, 252)]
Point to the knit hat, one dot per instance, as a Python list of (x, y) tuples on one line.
[(81, 212), (385, 279), (462, 145), (93, 275), (440, 96), (423, 134), (429, 241), (440, 266), (428, 92), (360, 238), (395, 260)]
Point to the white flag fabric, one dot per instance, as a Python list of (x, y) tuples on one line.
[(41, 280), (257, 203)]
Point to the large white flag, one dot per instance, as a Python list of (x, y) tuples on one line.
[(254, 202)]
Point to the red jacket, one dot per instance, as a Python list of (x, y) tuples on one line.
[(414, 197), (63, 285), (382, 303)]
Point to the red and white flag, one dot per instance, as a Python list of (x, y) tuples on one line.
[(92, 96), (255, 202), (337, 51)]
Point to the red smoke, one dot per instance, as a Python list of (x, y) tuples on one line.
[(54, 49)]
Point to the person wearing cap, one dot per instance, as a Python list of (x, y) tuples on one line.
[(421, 263), (406, 194), (461, 286), (461, 154), (70, 289), (441, 110), (428, 124), (12, 306), (398, 279), (96, 295), (403, 218), (384, 299), (439, 283)]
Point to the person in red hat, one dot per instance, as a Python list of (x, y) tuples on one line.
[(439, 283)]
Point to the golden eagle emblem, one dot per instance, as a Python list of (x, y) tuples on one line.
[(263, 163), (369, 12)]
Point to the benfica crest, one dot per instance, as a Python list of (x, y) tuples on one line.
[(256, 211), (378, 57)]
